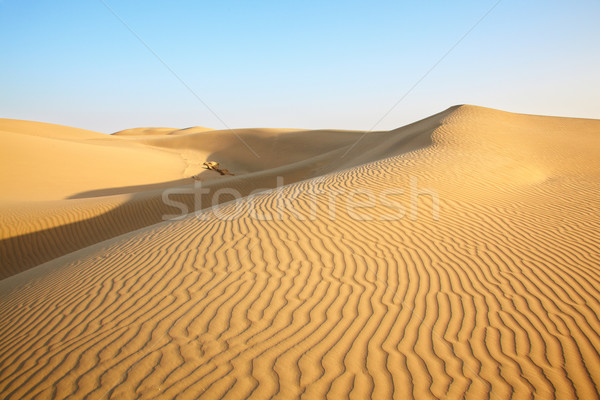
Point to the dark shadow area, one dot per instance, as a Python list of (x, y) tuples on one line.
[(129, 189)]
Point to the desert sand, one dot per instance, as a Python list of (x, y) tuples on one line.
[(455, 257)]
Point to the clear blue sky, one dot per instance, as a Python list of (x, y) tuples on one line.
[(297, 64)]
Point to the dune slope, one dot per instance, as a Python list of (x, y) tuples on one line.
[(74, 204), (465, 268)]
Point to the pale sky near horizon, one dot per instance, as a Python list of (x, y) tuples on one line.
[(293, 64)]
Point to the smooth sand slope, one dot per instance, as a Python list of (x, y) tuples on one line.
[(297, 293)]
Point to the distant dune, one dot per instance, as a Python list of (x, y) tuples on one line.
[(160, 131), (458, 256)]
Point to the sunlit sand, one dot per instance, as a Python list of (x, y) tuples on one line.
[(457, 256)]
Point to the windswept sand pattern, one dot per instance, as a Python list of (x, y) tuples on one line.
[(497, 297)]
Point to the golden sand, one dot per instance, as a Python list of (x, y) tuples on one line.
[(473, 270)]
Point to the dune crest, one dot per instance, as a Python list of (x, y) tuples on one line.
[(474, 274), (161, 131)]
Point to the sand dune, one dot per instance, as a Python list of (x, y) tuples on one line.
[(160, 131), (474, 272), (84, 207)]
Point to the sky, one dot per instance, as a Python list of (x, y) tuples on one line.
[(108, 65)]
